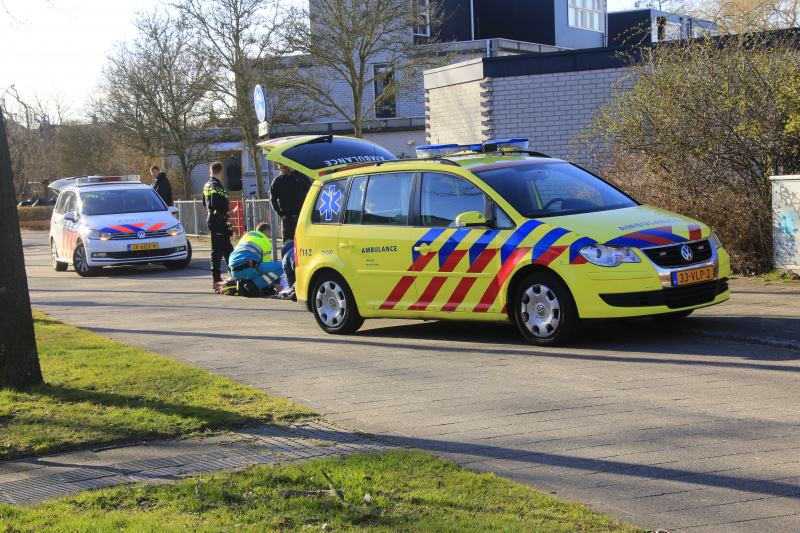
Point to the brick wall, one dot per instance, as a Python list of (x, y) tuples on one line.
[(548, 109), (453, 113)]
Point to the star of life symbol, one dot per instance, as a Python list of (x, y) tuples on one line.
[(330, 202)]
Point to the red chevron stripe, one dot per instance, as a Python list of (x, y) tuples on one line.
[(494, 287), (139, 225), (154, 227), (649, 238), (435, 284), (122, 229), (580, 260), (550, 255), (406, 281), (466, 284), (695, 232)]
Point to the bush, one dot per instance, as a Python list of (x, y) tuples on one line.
[(30, 214)]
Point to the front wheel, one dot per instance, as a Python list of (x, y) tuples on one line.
[(334, 305), (81, 263), (180, 263), (58, 266), (545, 311)]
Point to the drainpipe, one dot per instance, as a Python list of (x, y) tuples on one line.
[(605, 23), (488, 48), (472, 19)]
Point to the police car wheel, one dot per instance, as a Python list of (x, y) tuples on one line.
[(80, 263), (545, 310), (58, 266), (180, 263), (334, 305)]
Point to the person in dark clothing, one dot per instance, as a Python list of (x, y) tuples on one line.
[(161, 184), (215, 198), (287, 194)]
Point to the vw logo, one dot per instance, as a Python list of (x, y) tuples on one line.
[(541, 311), (332, 303), (143, 234), (686, 252)]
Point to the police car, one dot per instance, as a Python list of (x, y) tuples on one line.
[(488, 232), (113, 220)]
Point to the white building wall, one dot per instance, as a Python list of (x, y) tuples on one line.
[(453, 114)]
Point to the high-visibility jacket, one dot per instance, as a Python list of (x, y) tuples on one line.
[(254, 246)]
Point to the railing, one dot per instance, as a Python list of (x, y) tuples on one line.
[(193, 215)]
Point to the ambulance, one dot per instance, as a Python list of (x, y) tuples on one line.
[(490, 232)]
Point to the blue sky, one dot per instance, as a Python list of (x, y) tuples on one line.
[(61, 45)]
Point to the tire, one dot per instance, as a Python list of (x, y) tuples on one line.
[(670, 317), (545, 311), (334, 305), (180, 263), (80, 264), (58, 266)]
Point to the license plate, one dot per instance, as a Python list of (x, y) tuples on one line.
[(143, 246), (692, 276)]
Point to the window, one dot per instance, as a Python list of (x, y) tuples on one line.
[(328, 152), (538, 190), (355, 201), (61, 203), (70, 204), (142, 200), (330, 203), (386, 201), (586, 14), (385, 107), (423, 27), (444, 197)]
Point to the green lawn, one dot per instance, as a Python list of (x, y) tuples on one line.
[(414, 491), (99, 392)]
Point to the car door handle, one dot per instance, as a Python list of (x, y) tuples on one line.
[(346, 245), (423, 249)]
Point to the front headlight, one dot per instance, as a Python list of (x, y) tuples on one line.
[(609, 256), (97, 235), (715, 240), (175, 230)]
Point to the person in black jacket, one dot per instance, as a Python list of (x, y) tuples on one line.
[(215, 198), (161, 184), (287, 194)]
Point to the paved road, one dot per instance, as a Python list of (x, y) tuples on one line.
[(693, 429)]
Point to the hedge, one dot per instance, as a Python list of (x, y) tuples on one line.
[(29, 214)]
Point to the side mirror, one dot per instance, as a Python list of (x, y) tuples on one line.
[(472, 219), (69, 216), (174, 210)]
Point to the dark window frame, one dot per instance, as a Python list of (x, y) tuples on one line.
[(345, 197)]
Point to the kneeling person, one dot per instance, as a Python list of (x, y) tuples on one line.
[(250, 260)]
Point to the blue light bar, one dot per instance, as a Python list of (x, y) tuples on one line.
[(437, 150), (442, 150)]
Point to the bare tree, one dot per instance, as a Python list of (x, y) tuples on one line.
[(239, 35), (741, 16), (351, 44), (157, 92), (19, 358)]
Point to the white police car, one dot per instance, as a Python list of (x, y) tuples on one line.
[(113, 220)]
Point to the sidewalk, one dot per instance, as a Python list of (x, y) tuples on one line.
[(28, 481)]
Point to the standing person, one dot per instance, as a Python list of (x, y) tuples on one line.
[(215, 198), (287, 194), (161, 184), (250, 261)]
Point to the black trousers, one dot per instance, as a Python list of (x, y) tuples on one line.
[(220, 247), (289, 227)]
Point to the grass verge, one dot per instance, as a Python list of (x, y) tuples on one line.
[(414, 490), (774, 275), (100, 392)]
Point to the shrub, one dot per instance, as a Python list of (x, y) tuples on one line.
[(30, 214)]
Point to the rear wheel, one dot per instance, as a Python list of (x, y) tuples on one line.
[(334, 305), (545, 311), (58, 266), (180, 263), (81, 263)]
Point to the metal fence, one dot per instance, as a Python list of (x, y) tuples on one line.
[(193, 215)]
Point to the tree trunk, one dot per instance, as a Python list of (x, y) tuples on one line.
[(19, 359), (186, 177)]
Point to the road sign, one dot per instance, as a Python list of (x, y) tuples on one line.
[(262, 129), (261, 104)]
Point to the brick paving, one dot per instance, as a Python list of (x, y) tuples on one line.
[(689, 427)]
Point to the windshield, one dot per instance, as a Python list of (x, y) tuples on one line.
[(538, 190), (121, 201)]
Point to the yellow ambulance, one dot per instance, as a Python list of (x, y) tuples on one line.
[(487, 232)]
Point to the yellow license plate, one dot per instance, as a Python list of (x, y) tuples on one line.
[(692, 276), (144, 246)]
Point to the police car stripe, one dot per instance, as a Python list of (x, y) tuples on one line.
[(155, 227)]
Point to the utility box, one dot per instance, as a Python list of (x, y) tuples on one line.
[(786, 222)]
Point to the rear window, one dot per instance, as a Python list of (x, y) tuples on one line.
[(118, 201), (539, 190), (321, 154)]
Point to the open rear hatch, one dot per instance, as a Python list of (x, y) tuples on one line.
[(317, 155)]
